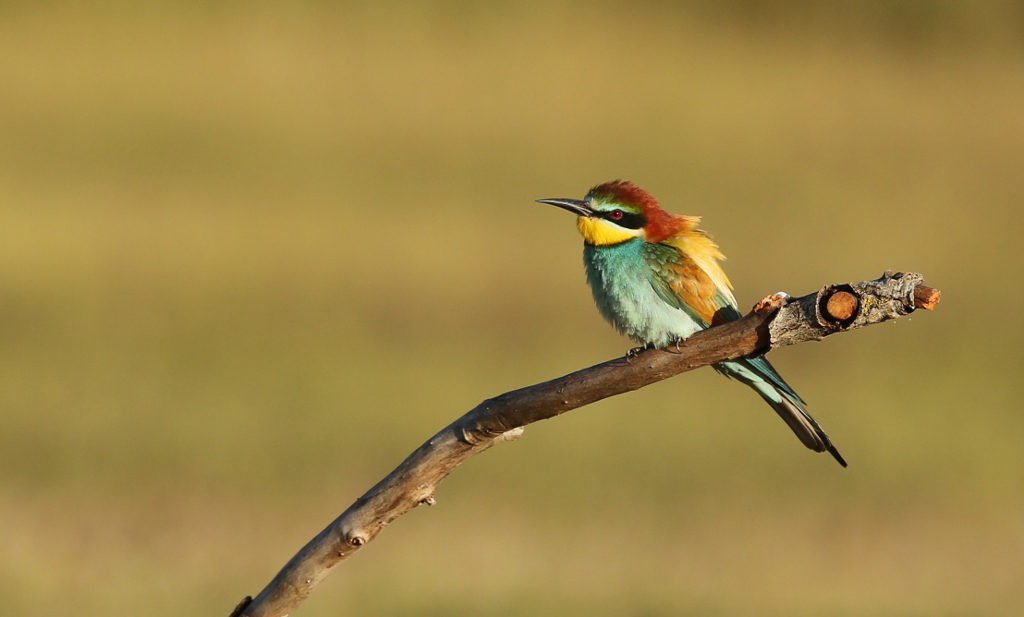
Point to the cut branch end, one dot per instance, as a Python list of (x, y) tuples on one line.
[(838, 307), (926, 297), (842, 305)]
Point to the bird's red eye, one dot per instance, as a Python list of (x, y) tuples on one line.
[(615, 215)]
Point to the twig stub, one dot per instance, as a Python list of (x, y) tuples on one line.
[(926, 297), (246, 601), (837, 307), (842, 305), (772, 303)]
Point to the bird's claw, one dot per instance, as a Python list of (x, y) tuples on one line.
[(636, 351), (679, 344)]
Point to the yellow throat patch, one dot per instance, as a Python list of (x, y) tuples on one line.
[(600, 232)]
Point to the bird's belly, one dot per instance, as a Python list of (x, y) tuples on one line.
[(644, 317), (624, 293)]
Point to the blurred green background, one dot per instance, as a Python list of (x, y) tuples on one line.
[(253, 254)]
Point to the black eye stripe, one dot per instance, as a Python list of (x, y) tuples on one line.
[(628, 220)]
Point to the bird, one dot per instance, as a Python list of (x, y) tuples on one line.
[(657, 279)]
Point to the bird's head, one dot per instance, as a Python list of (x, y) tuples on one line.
[(615, 212)]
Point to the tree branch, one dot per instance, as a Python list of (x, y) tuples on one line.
[(776, 321)]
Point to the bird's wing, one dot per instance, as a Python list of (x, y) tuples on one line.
[(687, 275)]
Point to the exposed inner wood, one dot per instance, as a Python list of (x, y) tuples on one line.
[(926, 297), (842, 305)]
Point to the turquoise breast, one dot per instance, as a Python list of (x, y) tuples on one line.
[(623, 283)]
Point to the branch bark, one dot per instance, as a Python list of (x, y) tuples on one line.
[(776, 321)]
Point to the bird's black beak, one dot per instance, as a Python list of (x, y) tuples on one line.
[(576, 206)]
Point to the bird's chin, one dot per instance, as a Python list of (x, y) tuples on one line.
[(600, 232)]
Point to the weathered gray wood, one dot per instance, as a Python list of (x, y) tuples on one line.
[(777, 321), (807, 318)]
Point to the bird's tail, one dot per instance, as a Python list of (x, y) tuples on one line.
[(762, 377)]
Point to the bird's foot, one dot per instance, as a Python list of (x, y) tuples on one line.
[(636, 351), (679, 344)]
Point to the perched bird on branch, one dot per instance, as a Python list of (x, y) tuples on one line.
[(657, 279)]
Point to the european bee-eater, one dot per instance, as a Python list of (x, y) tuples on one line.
[(657, 279)]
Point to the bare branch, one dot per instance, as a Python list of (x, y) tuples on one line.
[(777, 321)]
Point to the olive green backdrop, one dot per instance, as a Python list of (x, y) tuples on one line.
[(253, 254)]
